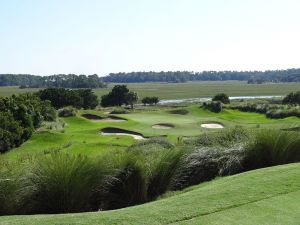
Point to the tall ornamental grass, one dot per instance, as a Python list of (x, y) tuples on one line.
[(272, 147)]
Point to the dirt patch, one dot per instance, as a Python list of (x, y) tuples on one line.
[(121, 132), (163, 126), (212, 125), (106, 119)]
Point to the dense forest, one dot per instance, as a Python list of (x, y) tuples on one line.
[(56, 81), (93, 81), (290, 75)]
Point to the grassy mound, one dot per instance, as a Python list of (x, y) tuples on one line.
[(256, 197)]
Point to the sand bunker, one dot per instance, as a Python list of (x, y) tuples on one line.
[(212, 125), (121, 132), (105, 119), (163, 126)]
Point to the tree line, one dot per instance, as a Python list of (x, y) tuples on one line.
[(55, 81), (93, 81), (61, 97), (20, 115), (290, 75)]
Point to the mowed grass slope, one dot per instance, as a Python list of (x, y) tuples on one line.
[(265, 196), (83, 136), (189, 89)]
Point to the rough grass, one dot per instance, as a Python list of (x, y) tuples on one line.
[(266, 196)]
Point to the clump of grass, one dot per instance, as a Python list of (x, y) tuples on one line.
[(59, 183), (67, 112), (9, 184), (226, 138), (162, 172), (128, 184), (272, 147), (152, 144), (199, 166)]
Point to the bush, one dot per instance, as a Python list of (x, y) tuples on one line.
[(222, 98), (67, 112), (292, 98), (118, 111), (150, 100), (213, 106), (273, 111)]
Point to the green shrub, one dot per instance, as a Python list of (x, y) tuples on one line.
[(119, 111), (214, 106), (67, 112), (222, 98)]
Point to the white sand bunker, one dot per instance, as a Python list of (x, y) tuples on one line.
[(163, 126), (212, 125), (120, 132)]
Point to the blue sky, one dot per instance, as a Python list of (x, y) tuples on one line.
[(103, 36)]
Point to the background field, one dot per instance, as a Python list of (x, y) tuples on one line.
[(190, 89)]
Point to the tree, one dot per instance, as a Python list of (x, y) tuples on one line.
[(150, 100), (155, 100), (10, 132), (292, 98), (116, 97), (222, 98), (20, 115), (146, 100), (131, 98), (61, 97), (90, 100)]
